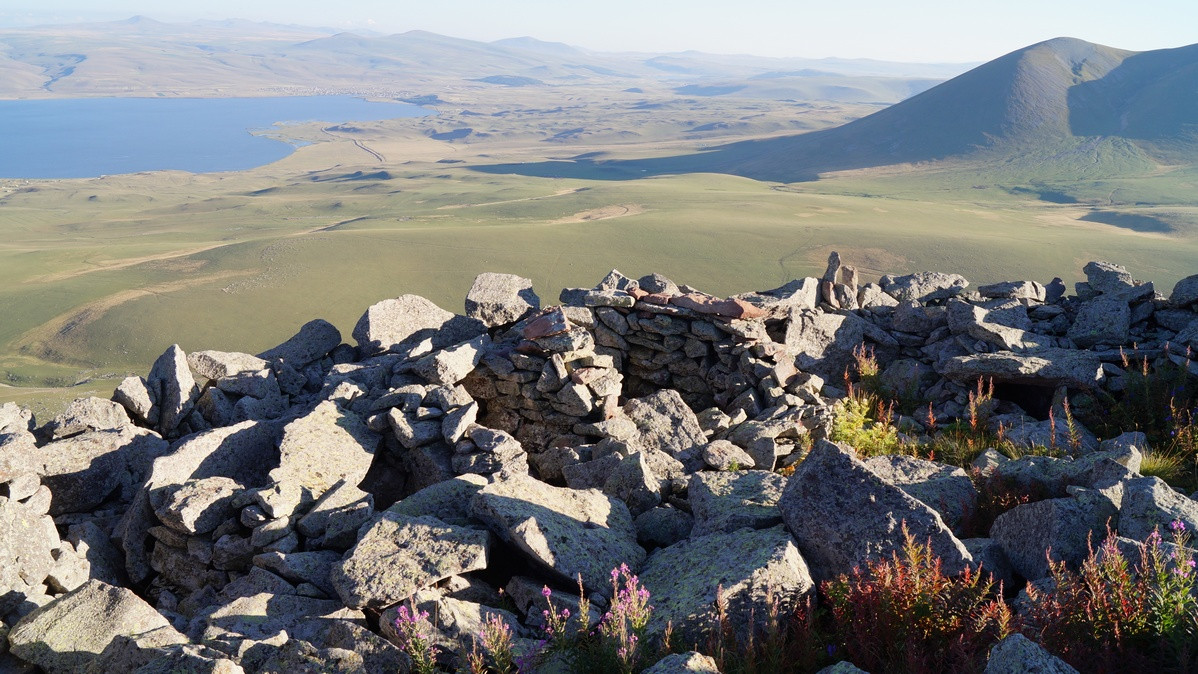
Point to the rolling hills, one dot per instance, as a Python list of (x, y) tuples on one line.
[(1059, 108)]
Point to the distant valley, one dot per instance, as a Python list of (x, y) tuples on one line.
[(558, 164)]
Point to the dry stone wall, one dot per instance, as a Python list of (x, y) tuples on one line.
[(251, 512)]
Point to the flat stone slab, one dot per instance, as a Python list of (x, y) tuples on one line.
[(397, 556), (327, 445), (747, 564), (568, 532), (1047, 367), (843, 515), (69, 632), (727, 501)]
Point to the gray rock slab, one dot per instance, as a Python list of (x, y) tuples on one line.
[(1047, 367), (451, 365), (84, 470), (340, 495), (924, 286), (28, 543), (69, 632), (567, 532), (1150, 503), (723, 455), (313, 341), (398, 555), (399, 324), (1185, 292), (1066, 526), (843, 515), (726, 501), (691, 662), (752, 567), (323, 447), (946, 489), (172, 386), (213, 365), (198, 506), (1101, 321), (1017, 654), (665, 422), (88, 414), (448, 501), (500, 299)]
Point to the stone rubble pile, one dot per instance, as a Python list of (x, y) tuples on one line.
[(240, 513)]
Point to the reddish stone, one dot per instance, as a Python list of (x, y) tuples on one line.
[(552, 322), (586, 375), (713, 306), (659, 299)]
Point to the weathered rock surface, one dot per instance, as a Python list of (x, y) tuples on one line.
[(68, 633), (725, 502), (500, 299), (398, 555), (842, 515), (1017, 654), (328, 445), (753, 568), (567, 532)]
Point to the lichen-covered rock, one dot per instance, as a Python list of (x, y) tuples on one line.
[(314, 340), (663, 526), (85, 470), (945, 489), (750, 567), (665, 422), (398, 555), (1017, 654), (691, 662), (727, 501), (500, 299), (327, 445), (28, 542), (924, 286), (198, 506), (842, 515), (1046, 367), (1065, 525), (88, 414), (567, 532), (398, 325), (1149, 503), (69, 632), (723, 455), (1101, 321), (451, 365)]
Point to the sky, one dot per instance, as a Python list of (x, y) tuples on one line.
[(894, 30)]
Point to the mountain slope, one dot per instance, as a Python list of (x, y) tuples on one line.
[(1058, 103)]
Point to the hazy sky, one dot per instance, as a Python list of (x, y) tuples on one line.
[(899, 30)]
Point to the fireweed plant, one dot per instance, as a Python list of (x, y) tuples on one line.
[(415, 641)]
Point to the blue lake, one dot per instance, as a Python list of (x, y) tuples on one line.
[(87, 137)]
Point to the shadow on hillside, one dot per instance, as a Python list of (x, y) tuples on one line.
[(1149, 96)]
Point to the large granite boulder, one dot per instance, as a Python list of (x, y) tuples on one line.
[(397, 555), (1061, 527), (1046, 367), (399, 325), (1149, 503), (946, 489), (1017, 654), (567, 532), (69, 632), (727, 501), (325, 446), (749, 567), (500, 299), (173, 388), (85, 470), (843, 515)]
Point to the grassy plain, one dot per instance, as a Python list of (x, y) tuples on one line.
[(99, 276)]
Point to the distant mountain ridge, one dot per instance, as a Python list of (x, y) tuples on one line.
[(1054, 101), (141, 56)]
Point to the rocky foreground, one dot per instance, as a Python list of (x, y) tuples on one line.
[(232, 512)]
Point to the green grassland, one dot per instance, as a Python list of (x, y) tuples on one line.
[(99, 276)]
